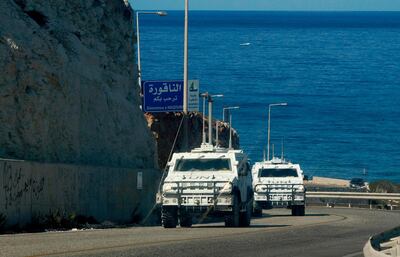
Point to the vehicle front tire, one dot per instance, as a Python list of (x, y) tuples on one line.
[(169, 217), (233, 218)]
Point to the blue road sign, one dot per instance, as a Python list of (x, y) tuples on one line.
[(162, 96)]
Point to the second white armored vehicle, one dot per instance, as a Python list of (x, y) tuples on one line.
[(278, 183), (207, 181)]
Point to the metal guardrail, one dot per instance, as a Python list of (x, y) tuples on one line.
[(354, 195), (386, 244)]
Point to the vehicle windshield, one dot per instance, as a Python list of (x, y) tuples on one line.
[(203, 165), (268, 173)]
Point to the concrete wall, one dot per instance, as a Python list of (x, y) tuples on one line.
[(29, 189)]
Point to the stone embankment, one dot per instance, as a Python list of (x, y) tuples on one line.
[(69, 107), (67, 84), (165, 128)]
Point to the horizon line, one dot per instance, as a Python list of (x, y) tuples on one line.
[(250, 10)]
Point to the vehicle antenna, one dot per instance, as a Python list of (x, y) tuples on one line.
[(273, 151), (210, 106), (230, 131), (264, 154), (216, 133), (204, 118), (283, 149)]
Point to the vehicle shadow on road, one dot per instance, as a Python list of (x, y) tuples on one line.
[(251, 226), (265, 215)]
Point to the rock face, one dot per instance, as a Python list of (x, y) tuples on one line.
[(165, 127), (68, 88)]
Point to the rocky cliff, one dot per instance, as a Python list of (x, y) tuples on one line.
[(67, 84), (165, 128)]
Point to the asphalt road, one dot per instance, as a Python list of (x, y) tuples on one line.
[(323, 232)]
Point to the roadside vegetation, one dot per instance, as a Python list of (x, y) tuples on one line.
[(384, 186), (60, 221), (52, 221)]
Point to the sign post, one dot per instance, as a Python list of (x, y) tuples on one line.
[(168, 96), (193, 99)]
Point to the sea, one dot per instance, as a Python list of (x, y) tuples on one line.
[(339, 72)]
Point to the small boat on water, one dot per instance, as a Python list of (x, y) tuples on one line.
[(245, 44)]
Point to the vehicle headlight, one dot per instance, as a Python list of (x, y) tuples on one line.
[(170, 188), (299, 197), (227, 188), (259, 188)]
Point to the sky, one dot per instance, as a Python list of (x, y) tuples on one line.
[(290, 5)]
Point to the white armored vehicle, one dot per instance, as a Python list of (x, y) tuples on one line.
[(207, 181), (278, 183)]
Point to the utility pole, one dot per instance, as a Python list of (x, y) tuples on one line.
[(227, 111), (269, 125), (185, 80), (230, 131), (210, 101), (159, 13), (205, 96), (210, 112), (185, 61)]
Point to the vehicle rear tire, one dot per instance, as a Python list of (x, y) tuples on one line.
[(233, 218), (169, 217), (302, 210), (245, 217), (294, 210)]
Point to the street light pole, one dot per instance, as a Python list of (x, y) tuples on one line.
[(269, 125), (185, 80), (138, 51), (210, 107), (230, 123), (269, 130), (210, 101), (185, 60), (230, 131), (205, 95), (228, 108), (216, 133), (159, 13)]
